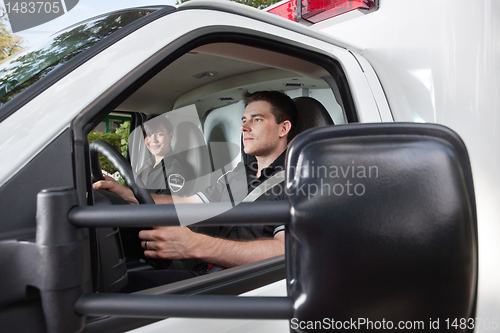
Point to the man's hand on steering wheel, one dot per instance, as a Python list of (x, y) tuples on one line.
[(110, 184)]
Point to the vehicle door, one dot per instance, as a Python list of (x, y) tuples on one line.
[(44, 140)]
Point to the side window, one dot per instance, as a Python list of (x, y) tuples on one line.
[(29, 68), (184, 123)]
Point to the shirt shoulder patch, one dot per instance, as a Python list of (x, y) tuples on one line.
[(176, 182)]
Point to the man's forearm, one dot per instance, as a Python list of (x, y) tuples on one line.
[(162, 199), (169, 199), (229, 253)]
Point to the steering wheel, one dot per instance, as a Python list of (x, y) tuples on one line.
[(129, 235), (120, 164)]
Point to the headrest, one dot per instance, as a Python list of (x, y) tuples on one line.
[(310, 113)]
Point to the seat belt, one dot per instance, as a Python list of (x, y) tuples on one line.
[(256, 193)]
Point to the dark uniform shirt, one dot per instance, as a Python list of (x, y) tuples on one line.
[(170, 176), (242, 174)]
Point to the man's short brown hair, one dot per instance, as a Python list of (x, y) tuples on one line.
[(282, 106)]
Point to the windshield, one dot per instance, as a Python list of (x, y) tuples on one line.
[(34, 64)]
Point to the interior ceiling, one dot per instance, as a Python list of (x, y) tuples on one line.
[(237, 68)]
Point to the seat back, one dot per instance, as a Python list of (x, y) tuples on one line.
[(310, 113), (397, 203), (190, 148)]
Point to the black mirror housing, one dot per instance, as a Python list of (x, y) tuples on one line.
[(383, 226)]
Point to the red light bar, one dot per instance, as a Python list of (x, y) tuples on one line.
[(319, 10), (286, 10)]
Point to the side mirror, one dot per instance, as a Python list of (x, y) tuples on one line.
[(383, 227)]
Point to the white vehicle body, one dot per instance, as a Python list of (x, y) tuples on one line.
[(438, 63), (427, 61), (433, 67)]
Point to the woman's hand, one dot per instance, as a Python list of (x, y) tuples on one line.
[(113, 186)]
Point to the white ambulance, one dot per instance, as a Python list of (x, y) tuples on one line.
[(408, 89)]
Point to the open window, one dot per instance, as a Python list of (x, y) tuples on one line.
[(199, 91)]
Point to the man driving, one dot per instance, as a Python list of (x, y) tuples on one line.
[(266, 125)]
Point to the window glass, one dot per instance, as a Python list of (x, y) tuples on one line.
[(34, 64), (188, 129)]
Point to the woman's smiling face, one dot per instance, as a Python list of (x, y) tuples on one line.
[(158, 141)]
